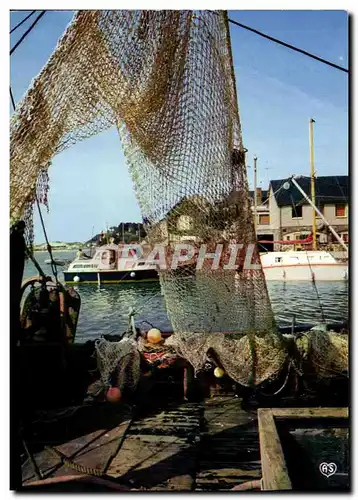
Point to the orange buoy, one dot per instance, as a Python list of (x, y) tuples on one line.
[(113, 395), (154, 336)]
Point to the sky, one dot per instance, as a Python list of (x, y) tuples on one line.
[(278, 92)]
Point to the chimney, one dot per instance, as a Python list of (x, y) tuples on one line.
[(259, 196)]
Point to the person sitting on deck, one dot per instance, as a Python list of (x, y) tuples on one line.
[(82, 255), (112, 259)]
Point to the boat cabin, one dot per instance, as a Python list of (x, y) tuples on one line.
[(112, 258)]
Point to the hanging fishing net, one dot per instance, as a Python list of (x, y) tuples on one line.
[(165, 79)]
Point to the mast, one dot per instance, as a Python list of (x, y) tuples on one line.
[(255, 192), (313, 187)]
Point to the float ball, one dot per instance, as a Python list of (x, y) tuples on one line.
[(154, 336), (76, 279), (113, 395), (219, 372)]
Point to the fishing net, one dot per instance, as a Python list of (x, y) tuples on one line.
[(118, 363), (244, 359), (325, 353), (165, 79)]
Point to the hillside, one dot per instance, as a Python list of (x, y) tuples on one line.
[(125, 232)]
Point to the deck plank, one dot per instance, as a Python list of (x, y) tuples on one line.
[(91, 450), (159, 453), (229, 446), (274, 470)]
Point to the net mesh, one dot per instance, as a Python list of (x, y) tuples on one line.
[(165, 79), (325, 352), (118, 363)]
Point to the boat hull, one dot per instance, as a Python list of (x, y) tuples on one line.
[(302, 272), (85, 277)]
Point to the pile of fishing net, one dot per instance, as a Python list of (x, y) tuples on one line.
[(156, 355), (319, 354), (118, 363), (248, 360), (324, 354)]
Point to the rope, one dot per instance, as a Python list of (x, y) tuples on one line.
[(283, 385), (12, 99), (277, 191), (289, 46), (53, 263), (22, 22), (73, 465), (32, 460), (26, 33), (140, 309), (89, 470), (36, 264)]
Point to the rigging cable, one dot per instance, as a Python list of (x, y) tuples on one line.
[(232, 21), (12, 98), (288, 45), (49, 249), (294, 205), (22, 22), (21, 40), (26, 33)]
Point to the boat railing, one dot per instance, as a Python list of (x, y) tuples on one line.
[(339, 255)]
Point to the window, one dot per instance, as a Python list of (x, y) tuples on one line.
[(320, 207), (278, 259), (340, 210), (303, 236), (264, 219), (322, 238), (296, 211), (288, 237), (345, 237)]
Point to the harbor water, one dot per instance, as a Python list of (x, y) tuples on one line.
[(105, 309)]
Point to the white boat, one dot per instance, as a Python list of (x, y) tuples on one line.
[(108, 266), (308, 265)]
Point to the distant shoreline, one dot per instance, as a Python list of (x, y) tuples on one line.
[(57, 250)]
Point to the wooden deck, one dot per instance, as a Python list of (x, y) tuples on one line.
[(229, 452), (209, 446)]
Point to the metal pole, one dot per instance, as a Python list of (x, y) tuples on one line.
[(313, 191), (319, 213), (255, 192), (122, 232)]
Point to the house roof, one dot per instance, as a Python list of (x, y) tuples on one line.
[(329, 189)]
